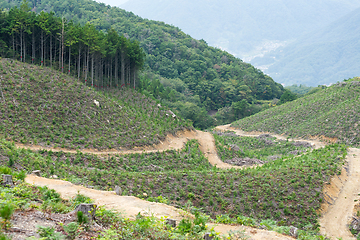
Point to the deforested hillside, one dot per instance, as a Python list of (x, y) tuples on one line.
[(45, 107), (333, 112), (184, 73)]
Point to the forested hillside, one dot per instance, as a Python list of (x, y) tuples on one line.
[(331, 112), (185, 73)]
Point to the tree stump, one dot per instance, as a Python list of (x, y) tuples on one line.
[(118, 190), (8, 181), (87, 209), (37, 173), (208, 237), (171, 222)]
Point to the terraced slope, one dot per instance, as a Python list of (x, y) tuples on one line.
[(44, 107), (333, 112)]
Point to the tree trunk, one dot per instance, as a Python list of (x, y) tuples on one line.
[(69, 59), (116, 69), (92, 70), (42, 47), (62, 45), (111, 70), (79, 63), (21, 45), (122, 69), (87, 64), (134, 76), (50, 51), (33, 46), (24, 50), (13, 37)]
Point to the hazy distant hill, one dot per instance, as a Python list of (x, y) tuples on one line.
[(322, 57), (241, 27)]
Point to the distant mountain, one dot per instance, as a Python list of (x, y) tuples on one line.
[(244, 28), (325, 56)]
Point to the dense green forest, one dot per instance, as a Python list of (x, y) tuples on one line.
[(101, 60), (184, 73)]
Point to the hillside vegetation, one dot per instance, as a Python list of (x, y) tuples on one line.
[(45, 107), (331, 112), (183, 72), (272, 192), (56, 218)]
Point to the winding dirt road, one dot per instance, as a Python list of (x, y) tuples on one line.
[(130, 206), (333, 221)]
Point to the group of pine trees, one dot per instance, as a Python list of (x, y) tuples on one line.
[(102, 60)]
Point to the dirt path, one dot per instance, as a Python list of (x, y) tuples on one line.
[(334, 221), (315, 143), (342, 191), (130, 206)]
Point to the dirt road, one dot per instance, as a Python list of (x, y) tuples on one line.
[(315, 143), (130, 206), (333, 221)]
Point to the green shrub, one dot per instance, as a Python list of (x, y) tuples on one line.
[(48, 233), (6, 212), (72, 230)]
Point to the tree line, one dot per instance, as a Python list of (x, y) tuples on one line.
[(102, 59)]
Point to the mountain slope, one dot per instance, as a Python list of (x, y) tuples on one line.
[(43, 106), (333, 112), (204, 76), (242, 26), (321, 57)]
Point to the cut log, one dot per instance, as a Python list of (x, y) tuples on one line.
[(88, 210), (37, 173), (118, 190), (208, 237), (171, 222), (8, 181)]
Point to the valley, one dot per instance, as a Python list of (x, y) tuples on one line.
[(104, 110)]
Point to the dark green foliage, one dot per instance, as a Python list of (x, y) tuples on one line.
[(287, 96), (332, 112), (6, 211), (50, 195), (72, 230), (49, 233), (302, 89), (81, 218)]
